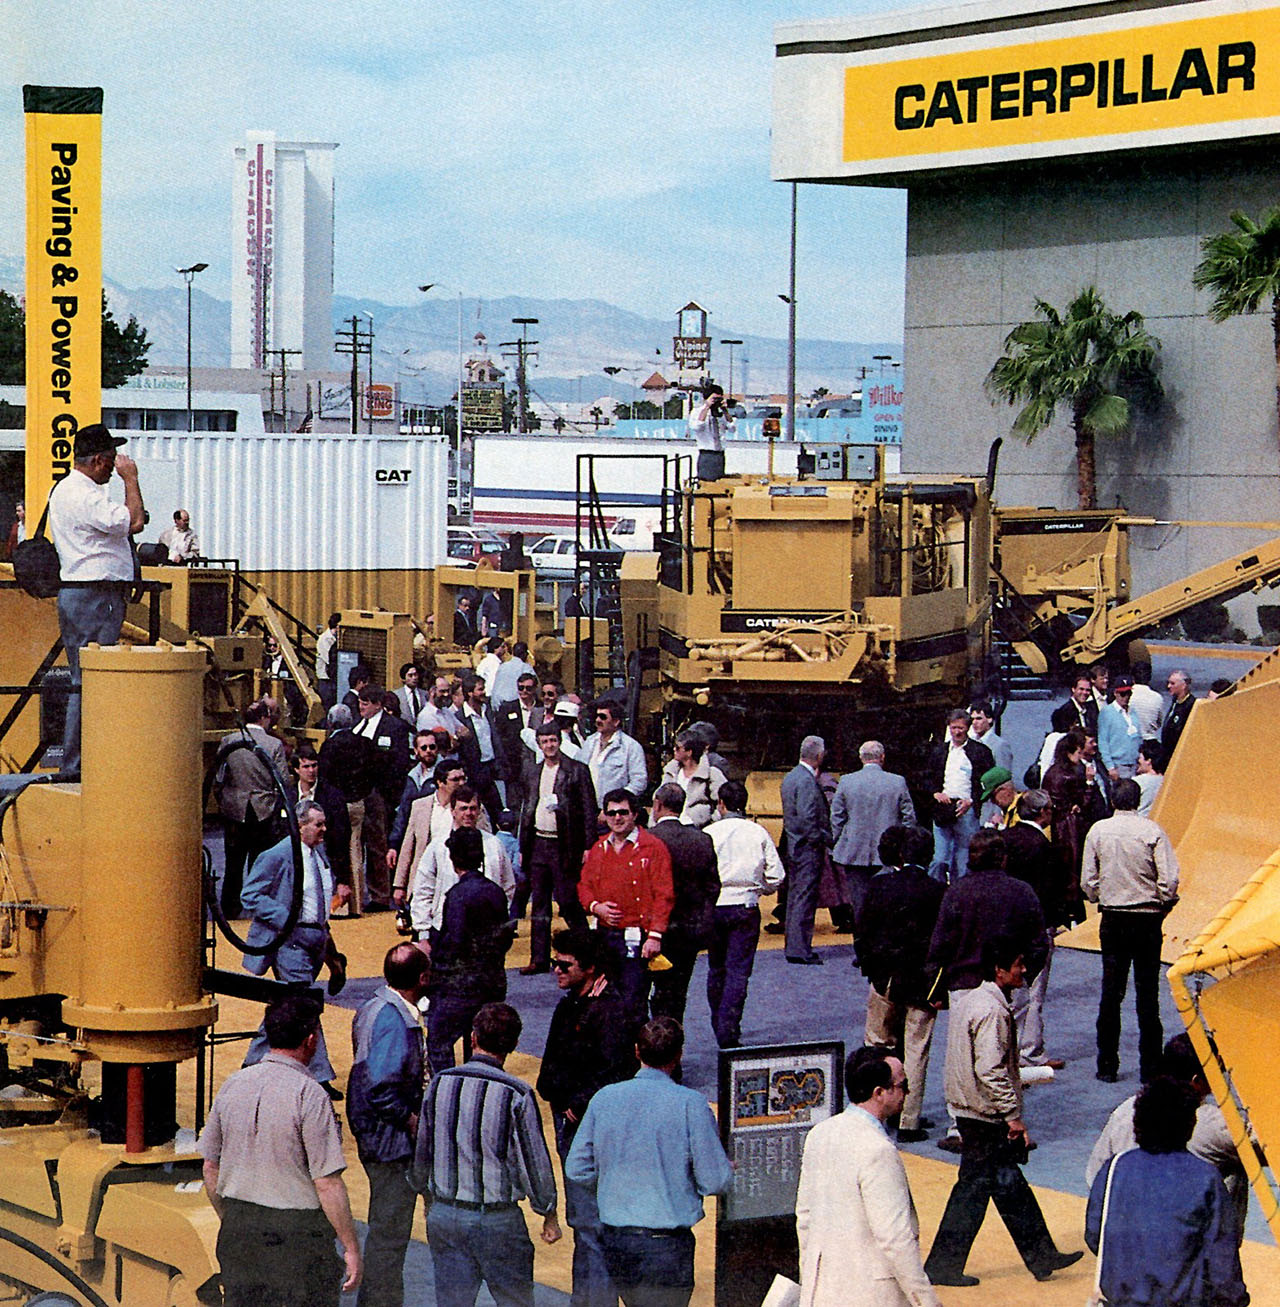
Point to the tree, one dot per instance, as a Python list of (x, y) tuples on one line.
[(1087, 357), (1242, 268), (13, 362), (643, 410), (124, 349)]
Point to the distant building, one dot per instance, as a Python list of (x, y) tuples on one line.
[(282, 251)]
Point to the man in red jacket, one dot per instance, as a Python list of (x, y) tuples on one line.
[(626, 885)]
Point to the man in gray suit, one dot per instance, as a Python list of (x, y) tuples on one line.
[(806, 827), (298, 958), (866, 804)]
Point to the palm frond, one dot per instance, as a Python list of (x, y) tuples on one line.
[(1107, 415)]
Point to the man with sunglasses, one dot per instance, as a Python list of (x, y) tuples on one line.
[(591, 1043), (854, 1214), (1120, 732), (627, 886), (616, 760), (510, 718), (420, 782)]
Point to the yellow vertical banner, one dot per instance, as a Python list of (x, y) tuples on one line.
[(64, 279)]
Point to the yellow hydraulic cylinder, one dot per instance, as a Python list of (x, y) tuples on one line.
[(139, 997)]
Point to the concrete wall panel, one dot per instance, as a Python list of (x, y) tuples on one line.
[(982, 248)]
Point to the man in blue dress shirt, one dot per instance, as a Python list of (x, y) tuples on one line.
[(651, 1149)]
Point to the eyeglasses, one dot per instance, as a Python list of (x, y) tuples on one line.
[(562, 964), (618, 812), (548, 694)]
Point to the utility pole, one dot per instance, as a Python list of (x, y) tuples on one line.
[(284, 385), (525, 350), (355, 342)]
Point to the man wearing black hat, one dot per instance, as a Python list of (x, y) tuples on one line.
[(91, 535)]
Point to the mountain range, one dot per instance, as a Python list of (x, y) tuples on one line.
[(417, 344)]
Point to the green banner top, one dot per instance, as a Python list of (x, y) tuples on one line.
[(62, 99)]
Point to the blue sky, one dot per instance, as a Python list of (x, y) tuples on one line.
[(617, 151)]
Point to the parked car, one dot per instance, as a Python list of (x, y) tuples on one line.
[(555, 557), (467, 545), (634, 534)]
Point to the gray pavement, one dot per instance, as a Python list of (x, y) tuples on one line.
[(788, 1003)]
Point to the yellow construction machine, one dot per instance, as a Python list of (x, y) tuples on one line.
[(791, 603), (1063, 583), (102, 995), (1223, 935)]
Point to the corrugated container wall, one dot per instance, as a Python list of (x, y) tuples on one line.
[(325, 520)]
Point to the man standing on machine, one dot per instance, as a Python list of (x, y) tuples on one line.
[(91, 535)]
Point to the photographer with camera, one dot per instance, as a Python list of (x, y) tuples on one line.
[(708, 426)]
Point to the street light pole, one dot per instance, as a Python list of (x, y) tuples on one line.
[(731, 344), (368, 389), (189, 275), (791, 327), (431, 285)]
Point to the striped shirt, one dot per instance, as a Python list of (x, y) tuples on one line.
[(480, 1140)]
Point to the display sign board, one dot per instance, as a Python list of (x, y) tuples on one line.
[(1200, 71), (770, 1098), (64, 279), (691, 352), (259, 239), (482, 408)]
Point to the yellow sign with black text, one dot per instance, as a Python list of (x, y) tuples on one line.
[(64, 279), (1158, 81)]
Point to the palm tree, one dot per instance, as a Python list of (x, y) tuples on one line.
[(1087, 357), (1242, 268)]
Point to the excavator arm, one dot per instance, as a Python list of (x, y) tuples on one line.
[(1251, 569)]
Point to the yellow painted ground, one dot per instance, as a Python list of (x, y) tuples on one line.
[(993, 1259)]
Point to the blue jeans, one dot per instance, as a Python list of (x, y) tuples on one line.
[(84, 617), (468, 1248), (951, 847), (730, 958), (297, 962), (591, 1284), (632, 974), (652, 1268)]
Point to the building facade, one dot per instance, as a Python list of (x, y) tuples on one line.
[(282, 252), (1047, 146)]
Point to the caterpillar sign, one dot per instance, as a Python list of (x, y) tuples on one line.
[(950, 96)]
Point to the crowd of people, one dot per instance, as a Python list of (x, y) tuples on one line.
[(464, 817)]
